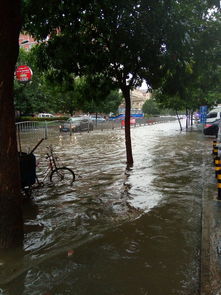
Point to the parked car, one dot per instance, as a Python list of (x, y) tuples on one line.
[(212, 122), (99, 118), (77, 124), (219, 139), (211, 128), (132, 122), (45, 115)]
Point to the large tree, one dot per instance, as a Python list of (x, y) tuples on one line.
[(11, 225), (195, 80), (126, 40)]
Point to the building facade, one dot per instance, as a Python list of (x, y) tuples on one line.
[(138, 98), (26, 41)]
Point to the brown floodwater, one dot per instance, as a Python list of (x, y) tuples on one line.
[(114, 231)]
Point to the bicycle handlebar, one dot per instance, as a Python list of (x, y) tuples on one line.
[(40, 141)]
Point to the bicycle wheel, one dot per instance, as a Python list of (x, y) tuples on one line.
[(62, 175)]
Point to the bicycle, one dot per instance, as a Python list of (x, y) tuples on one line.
[(56, 173)]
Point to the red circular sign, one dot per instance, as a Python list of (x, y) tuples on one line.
[(23, 74)]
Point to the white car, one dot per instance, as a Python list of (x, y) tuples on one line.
[(45, 115), (213, 119)]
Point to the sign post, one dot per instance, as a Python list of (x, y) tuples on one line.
[(23, 74), (203, 115)]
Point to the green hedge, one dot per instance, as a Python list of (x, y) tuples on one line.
[(29, 118)]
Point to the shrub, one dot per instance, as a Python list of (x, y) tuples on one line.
[(36, 119)]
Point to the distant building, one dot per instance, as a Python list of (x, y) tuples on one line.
[(138, 98), (26, 41)]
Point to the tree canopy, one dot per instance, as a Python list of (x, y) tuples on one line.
[(52, 90), (150, 107), (196, 80), (128, 41)]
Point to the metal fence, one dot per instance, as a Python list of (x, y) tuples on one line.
[(48, 128), (33, 131)]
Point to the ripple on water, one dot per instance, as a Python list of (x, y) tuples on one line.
[(123, 224)]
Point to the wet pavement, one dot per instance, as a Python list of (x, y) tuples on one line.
[(116, 231), (211, 236)]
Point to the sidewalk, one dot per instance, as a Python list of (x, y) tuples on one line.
[(211, 241)]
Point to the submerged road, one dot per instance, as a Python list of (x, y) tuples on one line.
[(117, 231)]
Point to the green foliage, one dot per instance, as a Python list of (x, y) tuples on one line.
[(173, 45), (59, 91), (112, 102), (150, 107), (128, 41), (31, 96), (153, 107), (36, 119), (196, 81), (62, 88), (88, 93), (98, 95), (108, 37)]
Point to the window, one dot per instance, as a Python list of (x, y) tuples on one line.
[(211, 115)]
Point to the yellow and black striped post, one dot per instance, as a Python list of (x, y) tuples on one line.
[(219, 184), (215, 148), (217, 163)]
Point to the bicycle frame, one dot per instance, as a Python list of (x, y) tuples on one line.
[(52, 164), (52, 159), (53, 169)]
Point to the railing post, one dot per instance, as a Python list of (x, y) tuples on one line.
[(46, 130), (70, 129), (215, 148), (219, 184), (217, 163)]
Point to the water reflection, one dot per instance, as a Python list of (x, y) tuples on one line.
[(131, 231)]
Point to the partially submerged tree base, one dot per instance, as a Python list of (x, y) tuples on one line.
[(126, 94), (178, 118), (11, 222), (11, 227)]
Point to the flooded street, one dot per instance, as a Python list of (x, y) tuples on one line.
[(115, 231)]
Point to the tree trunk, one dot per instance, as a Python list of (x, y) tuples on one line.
[(191, 118), (126, 94), (11, 222), (181, 129), (187, 118)]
